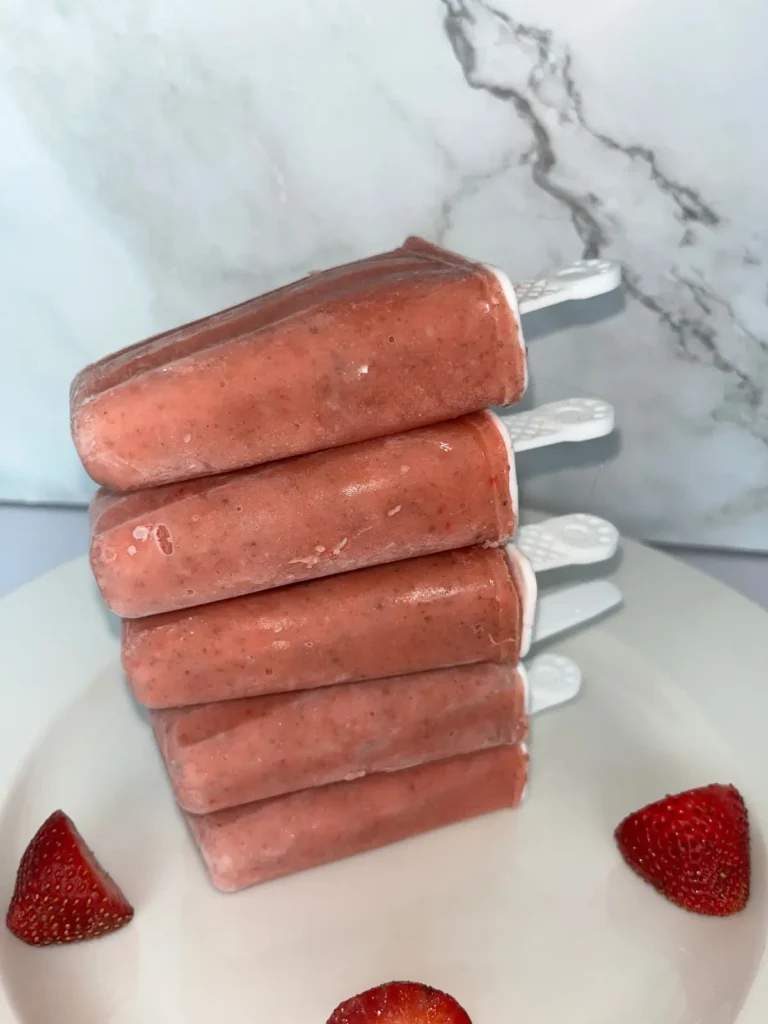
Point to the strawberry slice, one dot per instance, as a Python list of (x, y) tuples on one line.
[(693, 848), (400, 1002), (62, 894)]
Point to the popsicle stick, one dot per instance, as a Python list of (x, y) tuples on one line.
[(584, 279), (569, 420), (573, 606), (552, 679), (577, 539)]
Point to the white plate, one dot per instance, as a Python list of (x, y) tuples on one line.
[(526, 915)]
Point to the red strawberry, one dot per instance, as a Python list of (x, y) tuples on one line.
[(62, 894), (400, 1002), (693, 848)]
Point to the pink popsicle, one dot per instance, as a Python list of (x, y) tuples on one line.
[(235, 752), (386, 344), (433, 489), (454, 608), (260, 841)]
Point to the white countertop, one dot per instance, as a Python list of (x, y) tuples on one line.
[(36, 539)]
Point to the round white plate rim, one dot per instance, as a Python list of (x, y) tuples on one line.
[(722, 620)]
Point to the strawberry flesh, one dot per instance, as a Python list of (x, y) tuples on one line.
[(400, 1002), (62, 894), (693, 848)]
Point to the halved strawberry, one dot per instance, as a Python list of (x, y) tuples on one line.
[(693, 848), (62, 894), (400, 1002)]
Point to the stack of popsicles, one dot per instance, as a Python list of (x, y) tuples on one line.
[(305, 525)]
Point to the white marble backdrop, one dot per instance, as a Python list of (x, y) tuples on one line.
[(160, 159)]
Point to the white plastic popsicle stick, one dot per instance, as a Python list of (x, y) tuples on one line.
[(577, 539), (582, 280), (572, 419), (573, 606), (552, 679)]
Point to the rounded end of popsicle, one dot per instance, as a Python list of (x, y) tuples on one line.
[(505, 436), (510, 298), (527, 756), (526, 684), (524, 573)]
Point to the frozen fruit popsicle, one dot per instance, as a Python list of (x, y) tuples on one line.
[(458, 607), (234, 752), (256, 842), (383, 345), (439, 487), (452, 608)]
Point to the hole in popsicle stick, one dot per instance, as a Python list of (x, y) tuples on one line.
[(573, 414), (578, 533)]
